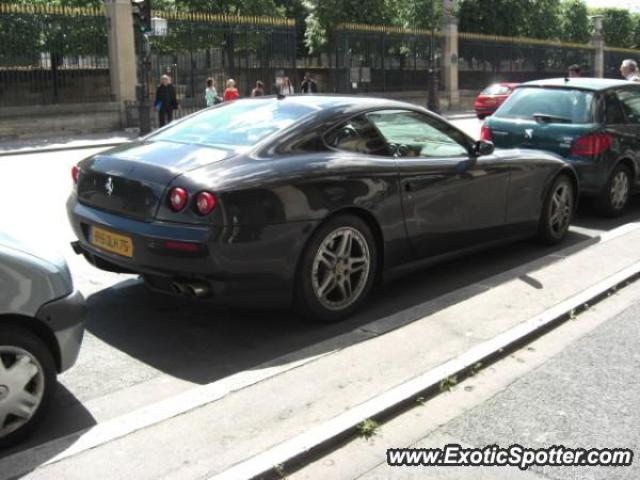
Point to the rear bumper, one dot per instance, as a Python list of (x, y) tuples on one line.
[(65, 317), (237, 263), (592, 176)]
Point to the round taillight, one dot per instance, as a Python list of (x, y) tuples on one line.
[(75, 172), (178, 198), (205, 203)]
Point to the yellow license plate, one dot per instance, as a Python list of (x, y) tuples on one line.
[(112, 242)]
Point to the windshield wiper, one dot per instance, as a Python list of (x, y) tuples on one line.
[(548, 118)]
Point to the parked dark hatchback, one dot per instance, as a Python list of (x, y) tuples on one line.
[(592, 123)]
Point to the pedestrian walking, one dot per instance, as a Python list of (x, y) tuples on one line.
[(231, 92), (211, 94), (629, 70), (166, 100), (258, 91), (309, 85), (574, 71)]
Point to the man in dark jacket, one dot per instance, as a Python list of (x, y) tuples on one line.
[(166, 100), (309, 85)]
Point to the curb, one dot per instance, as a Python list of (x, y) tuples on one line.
[(293, 452), (28, 151)]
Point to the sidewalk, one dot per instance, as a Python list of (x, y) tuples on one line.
[(575, 386), (53, 144), (325, 390)]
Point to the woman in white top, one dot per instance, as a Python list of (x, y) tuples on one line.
[(287, 88), (210, 93)]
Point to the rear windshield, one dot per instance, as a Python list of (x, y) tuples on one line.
[(495, 89), (240, 124), (561, 105)]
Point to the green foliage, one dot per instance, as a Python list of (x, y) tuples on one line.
[(618, 26), (368, 428), (494, 17), (575, 24), (636, 30), (542, 19)]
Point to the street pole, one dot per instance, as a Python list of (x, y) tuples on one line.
[(144, 110), (433, 103)]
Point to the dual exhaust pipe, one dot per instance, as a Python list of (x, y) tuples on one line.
[(191, 289)]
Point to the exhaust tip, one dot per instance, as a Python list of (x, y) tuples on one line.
[(198, 290), (178, 288)]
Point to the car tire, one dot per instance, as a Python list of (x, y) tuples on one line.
[(557, 211), (20, 346), (481, 116), (614, 197), (337, 269)]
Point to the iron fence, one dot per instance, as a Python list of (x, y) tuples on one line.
[(201, 45), (613, 58), (370, 58), (52, 54), (484, 59)]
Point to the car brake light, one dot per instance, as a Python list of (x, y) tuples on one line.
[(75, 173), (592, 144), (205, 203), (178, 198), (485, 133)]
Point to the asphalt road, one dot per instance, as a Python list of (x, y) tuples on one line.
[(141, 347)]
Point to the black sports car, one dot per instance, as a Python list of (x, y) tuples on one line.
[(307, 200)]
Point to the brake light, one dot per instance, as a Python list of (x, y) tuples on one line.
[(178, 198), (485, 133), (591, 145), (205, 203), (75, 173)]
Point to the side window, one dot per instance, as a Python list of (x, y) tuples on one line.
[(630, 101), (411, 134), (613, 111), (357, 135)]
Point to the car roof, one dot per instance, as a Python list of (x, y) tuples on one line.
[(581, 83), (336, 102)]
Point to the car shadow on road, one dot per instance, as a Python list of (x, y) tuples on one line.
[(200, 343)]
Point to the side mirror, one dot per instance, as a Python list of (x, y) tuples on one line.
[(483, 147)]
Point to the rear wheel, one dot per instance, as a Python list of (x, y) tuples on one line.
[(615, 196), (27, 383), (557, 211), (337, 269), (481, 116)]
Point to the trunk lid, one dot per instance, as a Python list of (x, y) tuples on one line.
[(131, 179), (552, 137)]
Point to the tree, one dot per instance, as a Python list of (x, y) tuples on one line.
[(618, 26), (574, 22), (636, 31), (542, 19), (325, 15), (493, 17)]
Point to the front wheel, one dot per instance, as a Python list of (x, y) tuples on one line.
[(27, 382), (337, 269), (615, 196), (557, 211)]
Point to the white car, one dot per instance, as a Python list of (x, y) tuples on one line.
[(41, 329)]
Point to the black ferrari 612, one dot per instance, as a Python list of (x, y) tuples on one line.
[(307, 200)]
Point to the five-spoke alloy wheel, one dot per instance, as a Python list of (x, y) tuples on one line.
[(337, 269)]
